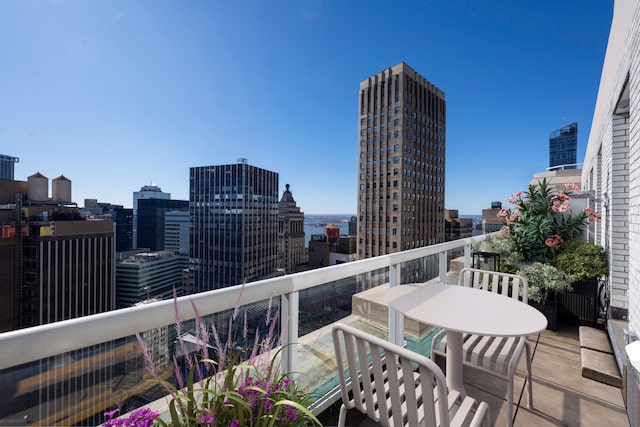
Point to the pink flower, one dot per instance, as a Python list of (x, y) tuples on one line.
[(572, 187), (593, 216), (554, 241), (503, 214), (560, 203)]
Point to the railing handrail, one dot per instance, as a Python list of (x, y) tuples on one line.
[(35, 343)]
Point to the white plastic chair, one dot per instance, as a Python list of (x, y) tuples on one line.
[(498, 356), (397, 387)]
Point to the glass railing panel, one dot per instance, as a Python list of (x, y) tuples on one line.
[(77, 387), (419, 270), (330, 302)]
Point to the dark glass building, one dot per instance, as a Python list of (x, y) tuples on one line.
[(563, 146), (401, 165), (234, 225), (7, 166), (123, 217), (151, 223)]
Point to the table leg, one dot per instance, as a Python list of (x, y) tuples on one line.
[(454, 361)]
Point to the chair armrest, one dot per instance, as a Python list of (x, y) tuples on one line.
[(434, 341)]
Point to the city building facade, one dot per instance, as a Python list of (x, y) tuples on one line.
[(401, 164), (234, 225), (456, 227), (151, 221), (143, 275), (563, 147), (146, 192), (490, 221), (121, 216), (7, 166), (55, 265), (291, 236), (610, 174), (176, 231)]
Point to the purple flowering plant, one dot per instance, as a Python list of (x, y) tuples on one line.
[(237, 389)]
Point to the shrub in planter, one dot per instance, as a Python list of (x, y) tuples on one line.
[(587, 263), (545, 283), (544, 280), (582, 260)]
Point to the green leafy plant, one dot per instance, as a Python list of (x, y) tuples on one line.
[(583, 260), (541, 221), (544, 279), (510, 259)]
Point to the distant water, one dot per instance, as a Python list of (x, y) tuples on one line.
[(315, 224)]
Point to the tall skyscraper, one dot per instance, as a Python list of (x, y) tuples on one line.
[(234, 225), (7, 164), (563, 146), (401, 164), (290, 233), (146, 192)]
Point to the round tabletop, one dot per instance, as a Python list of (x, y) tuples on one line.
[(466, 309)]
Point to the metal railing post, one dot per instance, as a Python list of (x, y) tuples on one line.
[(396, 319), (442, 266), (290, 304), (467, 256)]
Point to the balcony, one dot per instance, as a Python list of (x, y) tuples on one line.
[(70, 372)]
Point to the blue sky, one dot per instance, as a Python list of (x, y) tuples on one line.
[(119, 94)]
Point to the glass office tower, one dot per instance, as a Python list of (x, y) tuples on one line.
[(234, 225), (563, 146)]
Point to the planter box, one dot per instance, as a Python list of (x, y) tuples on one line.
[(550, 311), (581, 305)]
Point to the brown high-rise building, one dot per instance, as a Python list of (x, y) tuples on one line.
[(53, 264), (401, 164)]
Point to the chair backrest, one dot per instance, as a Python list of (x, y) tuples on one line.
[(390, 384), (512, 285)]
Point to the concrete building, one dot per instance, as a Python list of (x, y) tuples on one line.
[(176, 231), (7, 166), (490, 221), (611, 173), (563, 146), (146, 192), (401, 164), (558, 178), (456, 227), (234, 225), (325, 251), (142, 275), (291, 236)]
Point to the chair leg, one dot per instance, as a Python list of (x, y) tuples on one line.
[(527, 349), (510, 401), (342, 419)]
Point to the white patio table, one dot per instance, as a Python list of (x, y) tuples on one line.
[(462, 309)]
